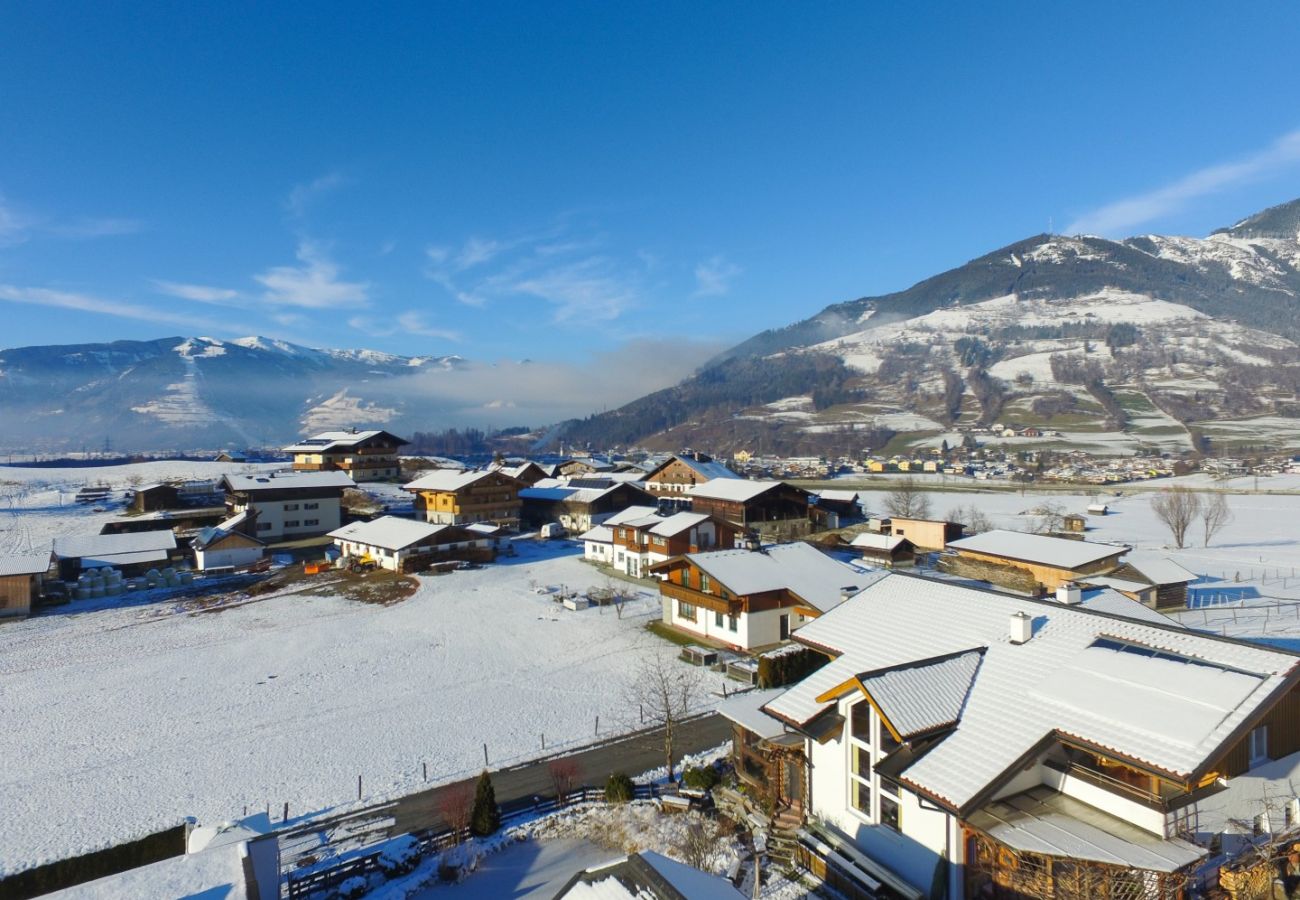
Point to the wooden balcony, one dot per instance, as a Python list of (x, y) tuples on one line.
[(700, 599)]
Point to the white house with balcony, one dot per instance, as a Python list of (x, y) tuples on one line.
[(968, 743)]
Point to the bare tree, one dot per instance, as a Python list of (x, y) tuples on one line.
[(664, 690), (972, 517), (1177, 507), (1050, 518), (565, 773), (456, 806), (1215, 514), (908, 501)]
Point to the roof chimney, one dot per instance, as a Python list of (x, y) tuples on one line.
[(848, 591), (1022, 628), (1069, 594)]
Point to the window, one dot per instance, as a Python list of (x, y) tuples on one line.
[(733, 623), (861, 721), (311, 506), (1259, 745), (704, 582), (717, 619), (292, 523), (685, 611), (263, 526), (311, 521), (889, 812), (289, 507)]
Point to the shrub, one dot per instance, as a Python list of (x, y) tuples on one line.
[(486, 818), (700, 778), (353, 889), (400, 858), (619, 788)]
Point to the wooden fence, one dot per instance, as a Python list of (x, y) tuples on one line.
[(436, 841)]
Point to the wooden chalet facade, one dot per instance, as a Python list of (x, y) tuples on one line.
[(926, 534), (773, 509), (450, 497), (579, 508), (362, 455), (679, 473), (643, 538), (21, 577)]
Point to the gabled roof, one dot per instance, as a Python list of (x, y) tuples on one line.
[(737, 490), (339, 440), (1037, 548), (632, 514), (1167, 698), (869, 541), (98, 545), (705, 470), (286, 481), (675, 524), (451, 479), (1159, 568), (601, 534), (388, 532), (209, 536), (800, 568), (922, 698), (24, 563), (647, 876)]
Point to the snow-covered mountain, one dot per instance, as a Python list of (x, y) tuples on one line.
[(198, 392), (1153, 341)]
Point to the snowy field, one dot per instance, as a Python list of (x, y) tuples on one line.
[(130, 718)]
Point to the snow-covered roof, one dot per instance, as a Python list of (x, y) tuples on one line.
[(114, 560), (336, 440), (1162, 695), (1037, 548), (1159, 568), (677, 523), (24, 563), (217, 872), (485, 528), (83, 545), (388, 532), (1115, 603), (870, 541), (838, 496), (447, 480), (601, 534), (1042, 820), (737, 490), (648, 876), (1118, 584), (746, 710), (567, 493), (632, 514), (706, 470), (208, 536), (925, 697), (800, 568), (287, 481)]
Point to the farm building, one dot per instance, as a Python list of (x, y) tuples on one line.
[(576, 507), (21, 575), (891, 551), (1169, 579), (926, 534), (1029, 563), (229, 544), (130, 553), (362, 455), (774, 509), (402, 545), (451, 497), (681, 472)]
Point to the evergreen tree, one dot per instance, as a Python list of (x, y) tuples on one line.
[(486, 818)]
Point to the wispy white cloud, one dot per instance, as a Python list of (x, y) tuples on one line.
[(55, 299), (588, 289), (14, 225), (303, 195), (410, 322), (713, 277), (314, 284), (1123, 216), (477, 251), (85, 227), (18, 225), (199, 293)]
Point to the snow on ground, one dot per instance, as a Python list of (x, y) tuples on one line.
[(131, 718), (525, 870)]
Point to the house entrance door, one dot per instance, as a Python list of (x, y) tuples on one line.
[(785, 626)]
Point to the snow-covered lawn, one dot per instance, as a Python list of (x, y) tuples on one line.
[(121, 721)]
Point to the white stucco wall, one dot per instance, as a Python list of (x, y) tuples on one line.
[(273, 517), (232, 556)]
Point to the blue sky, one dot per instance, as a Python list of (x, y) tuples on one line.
[(563, 181)]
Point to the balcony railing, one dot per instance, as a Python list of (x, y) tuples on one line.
[(1147, 798), (699, 598)]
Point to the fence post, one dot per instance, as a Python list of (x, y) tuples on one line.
[(286, 811), (485, 756), (597, 725), (358, 787), (426, 771)]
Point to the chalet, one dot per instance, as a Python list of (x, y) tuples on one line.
[(1075, 523), (289, 505), (1168, 579), (21, 577), (402, 545), (681, 472), (528, 473), (230, 544), (588, 466), (362, 455), (449, 497), (640, 537), (890, 551), (577, 507), (231, 456), (647, 876), (1026, 748), (926, 534), (130, 553), (771, 508), (751, 598), (1029, 563), (845, 506)]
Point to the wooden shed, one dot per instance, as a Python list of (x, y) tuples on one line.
[(21, 576)]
